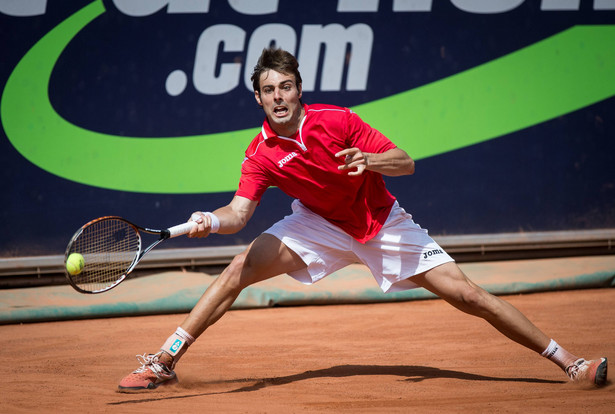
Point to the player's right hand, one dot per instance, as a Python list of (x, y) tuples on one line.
[(203, 227)]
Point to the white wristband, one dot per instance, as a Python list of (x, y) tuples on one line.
[(215, 221)]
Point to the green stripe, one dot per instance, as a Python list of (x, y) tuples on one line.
[(553, 77)]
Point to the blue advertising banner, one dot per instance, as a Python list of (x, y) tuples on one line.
[(144, 108)]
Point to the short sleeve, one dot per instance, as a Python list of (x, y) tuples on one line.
[(253, 181)]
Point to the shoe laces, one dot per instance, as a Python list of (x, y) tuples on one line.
[(576, 368), (152, 363)]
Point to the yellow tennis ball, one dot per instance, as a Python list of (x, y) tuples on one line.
[(75, 263)]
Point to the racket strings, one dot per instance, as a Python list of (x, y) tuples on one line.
[(109, 247)]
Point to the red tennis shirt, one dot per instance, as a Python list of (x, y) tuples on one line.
[(304, 166)]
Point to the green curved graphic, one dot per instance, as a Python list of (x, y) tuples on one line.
[(558, 75), (180, 165)]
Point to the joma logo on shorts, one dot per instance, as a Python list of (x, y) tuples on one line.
[(432, 252), (286, 159)]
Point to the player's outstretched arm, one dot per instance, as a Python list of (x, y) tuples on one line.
[(394, 162), (232, 217)]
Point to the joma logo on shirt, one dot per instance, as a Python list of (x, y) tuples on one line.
[(286, 159), (431, 253)]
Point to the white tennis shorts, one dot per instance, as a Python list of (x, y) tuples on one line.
[(399, 251)]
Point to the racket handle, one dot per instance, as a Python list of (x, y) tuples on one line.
[(181, 229)]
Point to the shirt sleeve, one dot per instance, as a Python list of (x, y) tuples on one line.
[(361, 135), (253, 181)]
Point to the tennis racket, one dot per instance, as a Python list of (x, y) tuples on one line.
[(111, 247)]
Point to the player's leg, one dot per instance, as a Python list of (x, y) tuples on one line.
[(451, 284), (266, 257)]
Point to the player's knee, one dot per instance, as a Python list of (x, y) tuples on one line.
[(241, 272), (231, 278), (454, 287), (471, 297), (474, 300)]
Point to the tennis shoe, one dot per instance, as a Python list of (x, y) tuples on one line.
[(593, 371), (149, 376)]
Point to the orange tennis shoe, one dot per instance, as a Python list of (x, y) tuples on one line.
[(593, 371), (149, 376)]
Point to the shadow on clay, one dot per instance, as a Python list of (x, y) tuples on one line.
[(407, 372)]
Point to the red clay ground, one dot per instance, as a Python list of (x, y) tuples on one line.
[(420, 356)]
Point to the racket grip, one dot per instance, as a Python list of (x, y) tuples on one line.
[(181, 229)]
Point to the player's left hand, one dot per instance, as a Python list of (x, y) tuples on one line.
[(353, 158)]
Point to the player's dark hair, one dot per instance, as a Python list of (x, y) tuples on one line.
[(278, 60)]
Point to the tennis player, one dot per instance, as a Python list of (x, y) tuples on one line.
[(332, 163)]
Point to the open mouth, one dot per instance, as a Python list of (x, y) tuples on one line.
[(280, 111)]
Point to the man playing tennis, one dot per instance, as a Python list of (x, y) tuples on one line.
[(332, 163)]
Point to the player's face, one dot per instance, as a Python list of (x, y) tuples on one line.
[(280, 98)]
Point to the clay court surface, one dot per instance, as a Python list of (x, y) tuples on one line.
[(417, 356)]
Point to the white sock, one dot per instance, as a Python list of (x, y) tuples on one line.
[(177, 344), (557, 354)]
